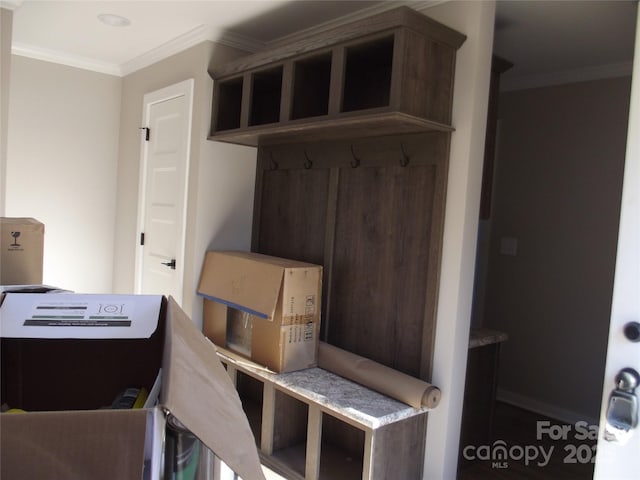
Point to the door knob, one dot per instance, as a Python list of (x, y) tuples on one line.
[(632, 331), (171, 264), (622, 411)]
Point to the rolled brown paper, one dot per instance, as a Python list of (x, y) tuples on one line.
[(378, 377)]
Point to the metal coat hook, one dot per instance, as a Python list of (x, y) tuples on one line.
[(274, 164), (404, 161), (355, 162), (307, 163)]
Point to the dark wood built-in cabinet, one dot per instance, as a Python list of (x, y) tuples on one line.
[(384, 75), (353, 129)]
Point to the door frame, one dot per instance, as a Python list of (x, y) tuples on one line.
[(470, 102), (184, 88), (612, 460)]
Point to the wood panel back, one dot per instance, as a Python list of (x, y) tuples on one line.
[(370, 211), (381, 260)]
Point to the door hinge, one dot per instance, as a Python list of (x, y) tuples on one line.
[(142, 238), (147, 132)]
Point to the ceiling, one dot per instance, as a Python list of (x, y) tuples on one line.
[(563, 40), (545, 40), (69, 31)]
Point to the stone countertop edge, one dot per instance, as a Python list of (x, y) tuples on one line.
[(480, 337), (335, 394)]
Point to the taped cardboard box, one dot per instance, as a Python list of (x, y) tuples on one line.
[(66, 356), (262, 307), (22, 244)]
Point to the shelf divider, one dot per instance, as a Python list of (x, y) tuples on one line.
[(247, 89), (367, 459), (314, 437), (268, 417), (287, 93), (337, 78)]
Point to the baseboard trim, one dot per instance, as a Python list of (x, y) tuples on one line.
[(543, 408)]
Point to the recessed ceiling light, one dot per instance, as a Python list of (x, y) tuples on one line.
[(114, 20)]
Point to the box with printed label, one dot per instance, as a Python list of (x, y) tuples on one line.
[(22, 243), (89, 379), (262, 307)]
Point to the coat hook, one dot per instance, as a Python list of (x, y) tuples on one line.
[(307, 163), (356, 161), (274, 164), (404, 161)]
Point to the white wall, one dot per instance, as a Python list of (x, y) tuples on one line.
[(474, 19), (225, 207), (61, 167), (221, 177)]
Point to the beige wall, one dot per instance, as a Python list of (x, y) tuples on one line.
[(6, 27), (73, 163), (221, 177), (558, 184), (61, 167)]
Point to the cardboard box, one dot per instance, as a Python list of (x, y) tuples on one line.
[(22, 244), (66, 356), (264, 308)]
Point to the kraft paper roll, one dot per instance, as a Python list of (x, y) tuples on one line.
[(395, 384)]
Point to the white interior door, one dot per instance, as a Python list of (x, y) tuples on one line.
[(162, 205), (618, 452)]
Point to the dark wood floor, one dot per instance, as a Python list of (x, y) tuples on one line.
[(569, 459)]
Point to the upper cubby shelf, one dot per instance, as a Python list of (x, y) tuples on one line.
[(391, 73)]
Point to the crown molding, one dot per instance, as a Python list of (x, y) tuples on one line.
[(522, 82), (65, 59), (420, 6), (250, 45), (241, 42), (425, 4), (197, 35), (189, 39), (177, 45), (10, 4)]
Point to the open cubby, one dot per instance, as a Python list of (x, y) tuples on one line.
[(250, 391), (311, 86), (229, 104), (367, 77), (290, 432), (388, 74), (342, 450), (316, 425), (266, 96)]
